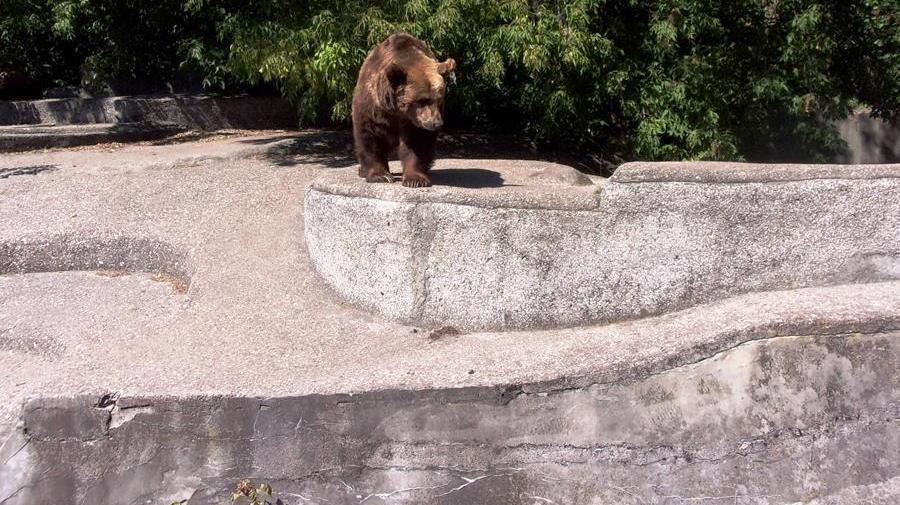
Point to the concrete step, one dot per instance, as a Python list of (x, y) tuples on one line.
[(29, 137), (190, 111)]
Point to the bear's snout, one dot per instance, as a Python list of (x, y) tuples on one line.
[(433, 124), (428, 118)]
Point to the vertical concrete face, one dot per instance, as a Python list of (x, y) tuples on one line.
[(783, 420), (388, 277), (205, 112), (660, 238), (869, 139)]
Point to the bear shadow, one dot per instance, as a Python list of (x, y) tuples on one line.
[(466, 178)]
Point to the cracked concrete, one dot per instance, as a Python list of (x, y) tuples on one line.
[(122, 388)]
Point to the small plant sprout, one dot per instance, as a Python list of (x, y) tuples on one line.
[(245, 492)]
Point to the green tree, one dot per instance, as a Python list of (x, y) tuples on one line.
[(654, 79)]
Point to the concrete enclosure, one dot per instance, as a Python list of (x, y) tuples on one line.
[(174, 319), (549, 249)]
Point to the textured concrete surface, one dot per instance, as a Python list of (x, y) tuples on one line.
[(654, 238), (163, 334)]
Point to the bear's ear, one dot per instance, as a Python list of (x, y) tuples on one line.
[(396, 76), (388, 84), (446, 66)]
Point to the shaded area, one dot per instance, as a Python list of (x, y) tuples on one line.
[(334, 148), (30, 170), (467, 178), (25, 138), (208, 112)]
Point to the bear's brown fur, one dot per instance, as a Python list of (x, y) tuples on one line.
[(398, 103)]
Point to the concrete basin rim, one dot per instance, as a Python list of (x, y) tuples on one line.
[(78, 251)]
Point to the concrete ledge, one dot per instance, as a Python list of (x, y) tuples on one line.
[(728, 172), (209, 112), (188, 111), (764, 419), (517, 184), (58, 111), (74, 252), (28, 137), (526, 253)]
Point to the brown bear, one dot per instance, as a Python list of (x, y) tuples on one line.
[(398, 103)]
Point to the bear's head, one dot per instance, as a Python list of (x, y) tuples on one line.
[(415, 89)]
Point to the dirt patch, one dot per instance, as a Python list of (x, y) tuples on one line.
[(178, 284), (112, 273), (443, 332)]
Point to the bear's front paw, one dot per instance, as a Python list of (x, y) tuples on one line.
[(416, 181), (380, 178)]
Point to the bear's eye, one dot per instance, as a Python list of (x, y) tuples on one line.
[(423, 102)]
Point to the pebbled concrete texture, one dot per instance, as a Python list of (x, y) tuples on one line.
[(654, 238), (152, 348)]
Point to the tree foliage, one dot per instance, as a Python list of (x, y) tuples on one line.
[(661, 79)]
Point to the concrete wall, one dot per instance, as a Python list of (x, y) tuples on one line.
[(660, 237), (869, 140), (783, 420), (203, 112)]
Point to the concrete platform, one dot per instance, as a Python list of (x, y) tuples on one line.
[(517, 245), (153, 348)]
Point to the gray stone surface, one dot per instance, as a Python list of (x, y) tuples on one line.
[(58, 111), (164, 334), (208, 112), (654, 238)]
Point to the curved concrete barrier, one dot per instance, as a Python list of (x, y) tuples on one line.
[(100, 252), (514, 245)]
